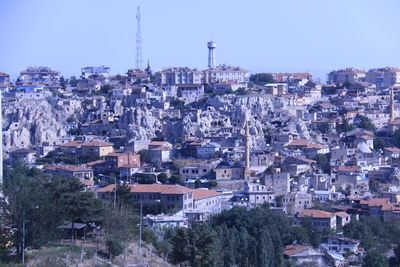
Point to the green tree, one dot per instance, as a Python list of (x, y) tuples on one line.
[(73, 81), (41, 200), (175, 179), (81, 206), (323, 162), (162, 177), (323, 127), (259, 78), (365, 123), (345, 127), (396, 138), (212, 184), (375, 258), (145, 155), (123, 194), (242, 91), (88, 157), (379, 143), (198, 183)]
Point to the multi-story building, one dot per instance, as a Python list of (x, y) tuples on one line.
[(117, 160), (40, 75), (178, 76), (70, 171), (279, 183), (258, 194), (205, 203), (30, 91), (226, 171), (137, 75), (292, 78), (190, 92), (295, 201), (172, 196), (4, 78), (225, 74), (88, 71), (349, 75), (318, 218), (25, 155), (100, 149), (196, 171), (384, 77)]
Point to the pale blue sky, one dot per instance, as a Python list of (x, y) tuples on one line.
[(263, 35)]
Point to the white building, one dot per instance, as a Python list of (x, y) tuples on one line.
[(42, 75), (190, 92), (30, 91), (178, 76), (384, 77), (205, 203), (226, 74)]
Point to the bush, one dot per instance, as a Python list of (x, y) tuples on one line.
[(114, 246)]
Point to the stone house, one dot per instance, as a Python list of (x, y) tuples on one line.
[(70, 171), (172, 196), (99, 148), (319, 219), (303, 255), (278, 182), (28, 156)]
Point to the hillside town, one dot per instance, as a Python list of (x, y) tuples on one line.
[(197, 142)]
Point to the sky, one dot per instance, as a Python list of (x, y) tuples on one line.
[(314, 36)]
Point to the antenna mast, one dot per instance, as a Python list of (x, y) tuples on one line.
[(138, 42)]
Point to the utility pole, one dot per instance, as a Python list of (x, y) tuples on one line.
[(23, 235), (138, 41), (115, 191), (140, 229)]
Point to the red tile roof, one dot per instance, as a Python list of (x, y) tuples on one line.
[(161, 148), (294, 249), (299, 142), (23, 151), (375, 202), (349, 169), (315, 146), (86, 182), (72, 144), (204, 193), (152, 188), (70, 168), (96, 144), (316, 214), (392, 149)]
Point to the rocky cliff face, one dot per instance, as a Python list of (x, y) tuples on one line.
[(139, 123), (261, 111), (31, 122)]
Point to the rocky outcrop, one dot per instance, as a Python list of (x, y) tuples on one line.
[(139, 123), (28, 123)]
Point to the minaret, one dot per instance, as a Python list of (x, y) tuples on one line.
[(392, 115), (212, 62), (1, 140), (247, 152)]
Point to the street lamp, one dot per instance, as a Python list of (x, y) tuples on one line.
[(23, 231)]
